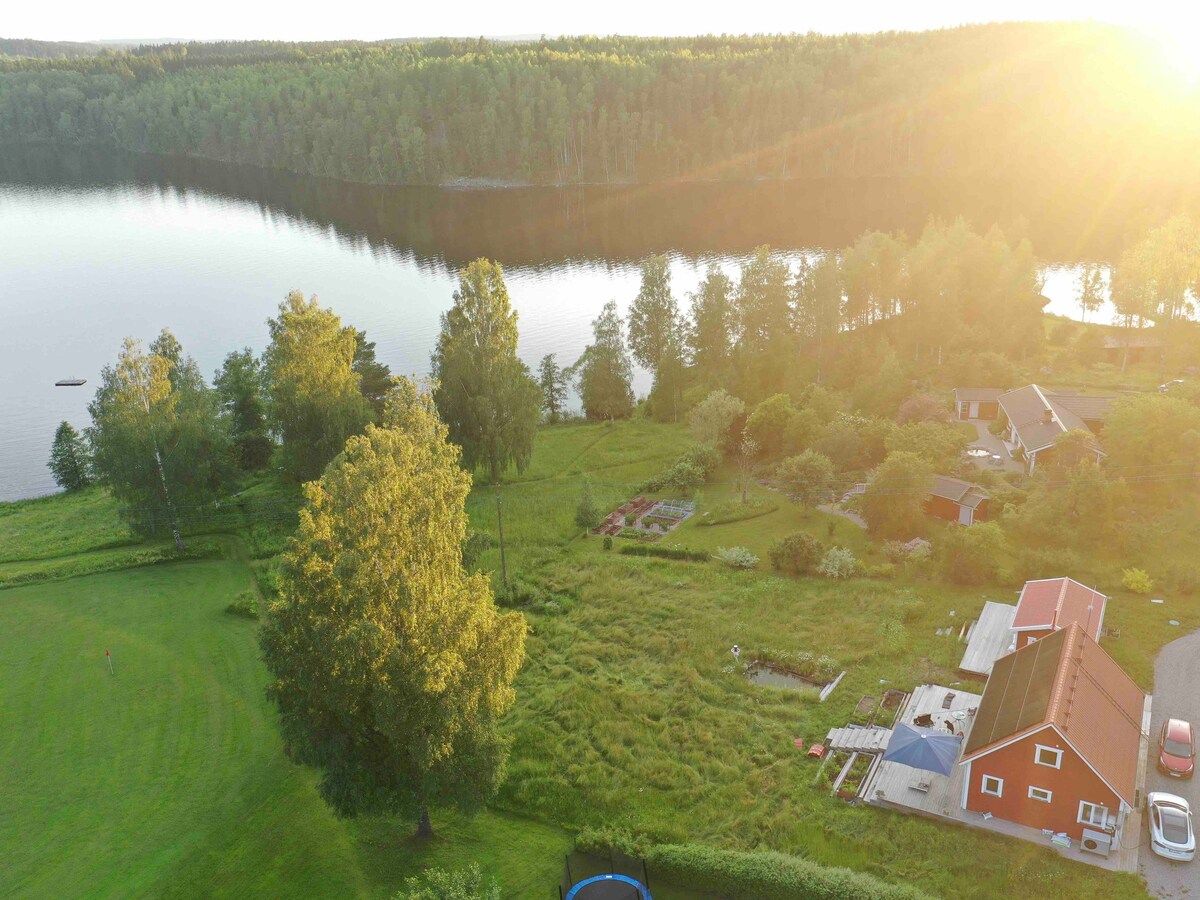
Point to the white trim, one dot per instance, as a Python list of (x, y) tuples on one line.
[(983, 781), (1037, 753), (1037, 628), (966, 786), (1100, 806), (1049, 798), (1108, 785)]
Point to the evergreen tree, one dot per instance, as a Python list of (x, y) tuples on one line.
[(390, 664), (484, 393), (69, 459), (552, 379), (316, 398), (604, 371), (765, 337), (241, 392), (375, 378), (710, 334)]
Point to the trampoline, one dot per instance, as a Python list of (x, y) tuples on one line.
[(609, 887)]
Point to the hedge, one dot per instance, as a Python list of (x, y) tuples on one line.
[(767, 875), (665, 552)]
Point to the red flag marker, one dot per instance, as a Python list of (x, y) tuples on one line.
[(108, 655)]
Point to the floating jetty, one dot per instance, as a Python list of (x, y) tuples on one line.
[(70, 382)]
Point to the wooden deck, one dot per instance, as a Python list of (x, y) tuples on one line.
[(866, 740), (910, 790), (989, 638)]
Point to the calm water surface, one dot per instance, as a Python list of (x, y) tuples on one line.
[(92, 250)]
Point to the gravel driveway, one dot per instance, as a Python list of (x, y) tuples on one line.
[(1176, 695)]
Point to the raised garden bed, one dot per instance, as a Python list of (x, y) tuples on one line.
[(645, 520), (853, 773)]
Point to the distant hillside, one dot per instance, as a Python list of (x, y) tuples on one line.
[(1022, 102), (46, 49)]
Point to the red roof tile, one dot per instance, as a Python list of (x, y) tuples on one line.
[(1057, 602)]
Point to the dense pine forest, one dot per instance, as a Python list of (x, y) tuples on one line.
[(1027, 102)]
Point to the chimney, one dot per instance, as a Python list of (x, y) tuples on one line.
[(1048, 416)]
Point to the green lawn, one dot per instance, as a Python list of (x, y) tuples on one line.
[(60, 525), (169, 778)]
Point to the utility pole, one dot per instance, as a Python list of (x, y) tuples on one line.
[(500, 522)]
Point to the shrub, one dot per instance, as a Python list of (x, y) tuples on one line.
[(972, 555), (893, 636), (838, 562), (883, 570), (736, 557), (608, 542), (1137, 580), (736, 511), (245, 605), (767, 875), (924, 407), (797, 553), (713, 418), (450, 884), (669, 552)]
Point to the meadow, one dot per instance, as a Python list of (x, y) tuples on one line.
[(169, 778)]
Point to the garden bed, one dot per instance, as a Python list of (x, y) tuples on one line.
[(852, 775), (646, 520)]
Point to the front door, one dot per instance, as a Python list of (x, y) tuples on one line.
[(966, 515)]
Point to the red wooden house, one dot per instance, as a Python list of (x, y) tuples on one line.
[(956, 500), (1049, 604), (1055, 742)]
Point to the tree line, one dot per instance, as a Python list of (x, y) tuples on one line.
[(1033, 102)]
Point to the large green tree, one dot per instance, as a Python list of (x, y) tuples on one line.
[(603, 371), (656, 336), (554, 381), (808, 479), (484, 393), (242, 395), (712, 329), (894, 501), (375, 378), (315, 393), (70, 460), (390, 664), (157, 438), (765, 342)]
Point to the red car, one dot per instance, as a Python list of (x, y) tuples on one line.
[(1177, 748)]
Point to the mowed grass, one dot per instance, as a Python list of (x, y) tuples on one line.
[(169, 779)]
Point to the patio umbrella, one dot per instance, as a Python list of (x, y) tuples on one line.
[(924, 748)]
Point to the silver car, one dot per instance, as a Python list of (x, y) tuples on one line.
[(1171, 835)]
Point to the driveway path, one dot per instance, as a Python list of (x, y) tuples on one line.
[(1176, 695)]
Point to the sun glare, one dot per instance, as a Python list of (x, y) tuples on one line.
[(1180, 45)]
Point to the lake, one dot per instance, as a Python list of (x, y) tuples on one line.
[(95, 248)]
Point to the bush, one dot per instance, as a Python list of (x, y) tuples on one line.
[(883, 570), (450, 884), (1137, 580), (838, 562), (972, 555), (893, 636), (713, 418), (797, 553), (736, 557), (670, 552), (608, 542), (766, 875), (736, 511), (245, 605)]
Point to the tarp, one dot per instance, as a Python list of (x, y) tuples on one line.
[(924, 748)]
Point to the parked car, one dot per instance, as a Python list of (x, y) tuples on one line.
[(1170, 820), (1177, 749)]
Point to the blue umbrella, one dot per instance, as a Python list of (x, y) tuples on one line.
[(924, 748)]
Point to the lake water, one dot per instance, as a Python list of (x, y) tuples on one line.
[(96, 248)]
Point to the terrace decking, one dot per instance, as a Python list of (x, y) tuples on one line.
[(990, 638), (863, 740), (910, 790)]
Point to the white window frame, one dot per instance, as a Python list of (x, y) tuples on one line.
[(1037, 753), (1092, 808), (983, 786), (1035, 791)]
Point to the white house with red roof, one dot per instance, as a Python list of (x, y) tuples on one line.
[(1047, 605)]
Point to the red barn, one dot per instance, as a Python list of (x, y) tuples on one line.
[(957, 501), (1048, 604), (977, 403), (1055, 742)]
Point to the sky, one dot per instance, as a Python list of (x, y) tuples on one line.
[(85, 20)]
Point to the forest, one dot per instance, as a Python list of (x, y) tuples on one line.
[(1019, 102)]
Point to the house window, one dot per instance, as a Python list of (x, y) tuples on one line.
[(1048, 756), (1037, 793), (992, 786), (1093, 814)]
